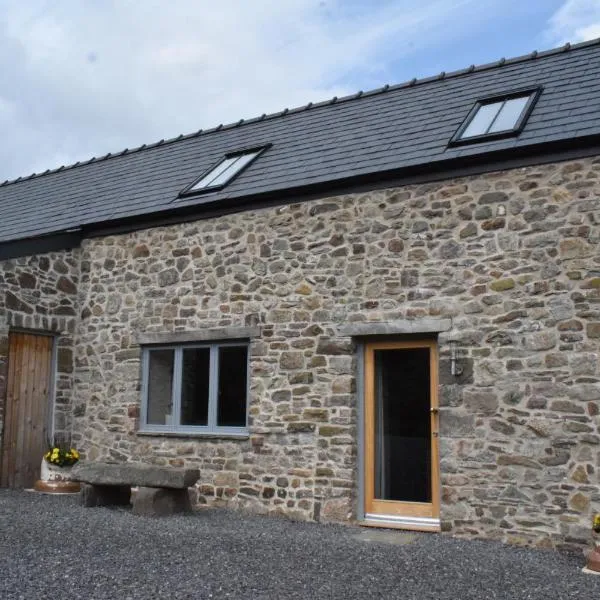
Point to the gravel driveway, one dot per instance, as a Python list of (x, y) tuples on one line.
[(50, 548)]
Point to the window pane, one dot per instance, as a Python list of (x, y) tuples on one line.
[(509, 115), (160, 386), (233, 371), (194, 386), (234, 168), (481, 121), (209, 178)]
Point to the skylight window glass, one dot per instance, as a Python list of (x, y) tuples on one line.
[(509, 114), (497, 116), (235, 167), (226, 170), (209, 178), (482, 120)]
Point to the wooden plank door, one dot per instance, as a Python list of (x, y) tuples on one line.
[(27, 408), (401, 435)]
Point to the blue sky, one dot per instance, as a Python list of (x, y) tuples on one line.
[(81, 79), (470, 32)]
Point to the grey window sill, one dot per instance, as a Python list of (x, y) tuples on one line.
[(184, 434)]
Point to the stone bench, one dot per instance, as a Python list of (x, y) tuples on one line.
[(161, 490)]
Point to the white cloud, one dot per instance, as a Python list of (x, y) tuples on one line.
[(85, 78), (575, 21)]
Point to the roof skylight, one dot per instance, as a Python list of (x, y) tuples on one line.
[(224, 171), (499, 116)]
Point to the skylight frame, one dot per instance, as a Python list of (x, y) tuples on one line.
[(189, 189), (533, 93)]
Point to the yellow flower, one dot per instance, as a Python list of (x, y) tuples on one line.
[(596, 523)]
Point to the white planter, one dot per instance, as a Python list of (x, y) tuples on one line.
[(50, 472), (55, 480), (593, 559)]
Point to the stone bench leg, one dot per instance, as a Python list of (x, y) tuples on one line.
[(158, 502), (104, 495)]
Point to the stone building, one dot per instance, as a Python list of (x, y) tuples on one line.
[(383, 308)]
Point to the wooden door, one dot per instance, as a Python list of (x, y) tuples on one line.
[(27, 409), (401, 435)]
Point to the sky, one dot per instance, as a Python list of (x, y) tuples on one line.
[(83, 78)]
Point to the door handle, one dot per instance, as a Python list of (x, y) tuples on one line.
[(434, 411)]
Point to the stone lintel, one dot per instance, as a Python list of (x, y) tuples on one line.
[(201, 335), (401, 326)]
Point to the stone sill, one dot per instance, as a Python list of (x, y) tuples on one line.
[(182, 434)]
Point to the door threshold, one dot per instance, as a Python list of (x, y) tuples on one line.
[(405, 523)]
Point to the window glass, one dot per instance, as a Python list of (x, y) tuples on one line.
[(225, 170), (482, 120), (195, 378), (209, 178), (234, 168), (197, 388), (233, 371), (509, 115), (160, 387), (496, 117)]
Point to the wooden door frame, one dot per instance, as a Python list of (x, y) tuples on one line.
[(405, 515), (50, 399)]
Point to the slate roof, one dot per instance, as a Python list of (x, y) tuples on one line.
[(392, 128)]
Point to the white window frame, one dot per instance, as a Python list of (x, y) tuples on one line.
[(211, 428)]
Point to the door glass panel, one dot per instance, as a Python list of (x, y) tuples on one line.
[(402, 425)]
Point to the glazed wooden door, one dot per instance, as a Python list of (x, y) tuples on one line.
[(401, 435), (27, 409)]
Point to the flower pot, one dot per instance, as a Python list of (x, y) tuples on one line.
[(593, 558), (56, 480)]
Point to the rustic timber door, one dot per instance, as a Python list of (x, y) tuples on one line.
[(27, 408), (401, 435)]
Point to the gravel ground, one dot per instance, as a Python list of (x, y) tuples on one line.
[(50, 548)]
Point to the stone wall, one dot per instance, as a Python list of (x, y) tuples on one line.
[(39, 294), (512, 257)]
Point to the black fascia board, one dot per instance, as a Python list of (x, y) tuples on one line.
[(188, 191), (533, 92), (40, 245)]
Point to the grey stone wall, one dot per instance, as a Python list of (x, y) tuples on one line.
[(511, 257), (39, 293)]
